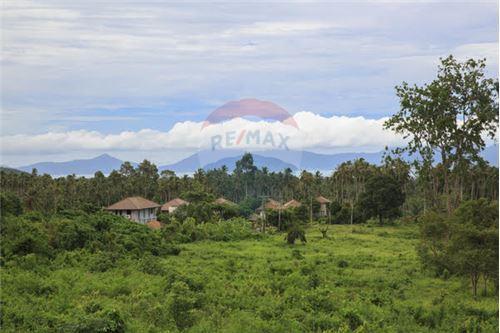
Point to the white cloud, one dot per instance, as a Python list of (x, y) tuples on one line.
[(315, 133)]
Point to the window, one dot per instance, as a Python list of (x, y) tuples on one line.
[(129, 212)]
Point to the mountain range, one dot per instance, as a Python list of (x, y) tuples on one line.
[(274, 160)]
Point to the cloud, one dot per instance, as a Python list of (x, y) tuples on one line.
[(342, 58), (315, 133), (280, 28), (478, 50)]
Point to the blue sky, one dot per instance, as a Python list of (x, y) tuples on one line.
[(112, 67)]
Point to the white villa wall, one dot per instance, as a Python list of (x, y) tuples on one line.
[(140, 216)]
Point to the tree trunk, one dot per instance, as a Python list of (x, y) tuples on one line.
[(352, 212), (310, 209), (446, 190), (474, 280)]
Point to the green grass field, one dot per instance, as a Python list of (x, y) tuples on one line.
[(362, 279)]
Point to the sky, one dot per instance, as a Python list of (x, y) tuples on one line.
[(136, 79)]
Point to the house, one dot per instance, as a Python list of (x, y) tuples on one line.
[(223, 201), (136, 209), (323, 205), (292, 204), (271, 205), (172, 205)]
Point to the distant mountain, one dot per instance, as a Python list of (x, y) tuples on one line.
[(298, 159), (274, 160), (273, 164), (322, 162), (200, 159), (10, 170), (104, 163)]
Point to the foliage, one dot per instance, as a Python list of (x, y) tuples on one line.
[(224, 230), (448, 117), (382, 197), (465, 243), (10, 204), (362, 282), (98, 232), (346, 212), (295, 232)]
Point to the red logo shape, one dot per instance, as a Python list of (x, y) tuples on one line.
[(250, 107)]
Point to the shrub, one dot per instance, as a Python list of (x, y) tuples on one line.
[(151, 265), (107, 321), (71, 234), (10, 204), (102, 262), (343, 263), (296, 231), (21, 237)]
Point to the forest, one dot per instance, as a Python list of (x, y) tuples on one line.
[(404, 246)]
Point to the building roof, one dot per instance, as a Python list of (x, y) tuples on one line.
[(154, 224), (271, 204), (322, 200), (174, 203), (222, 201), (133, 203), (292, 204)]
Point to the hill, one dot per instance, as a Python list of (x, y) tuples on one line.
[(104, 163), (11, 170), (274, 160)]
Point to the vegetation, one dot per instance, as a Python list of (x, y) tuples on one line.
[(362, 278), (382, 197), (449, 117), (402, 247), (465, 243)]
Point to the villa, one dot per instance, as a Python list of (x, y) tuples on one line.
[(137, 209)]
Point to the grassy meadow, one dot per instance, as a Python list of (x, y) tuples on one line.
[(360, 279)]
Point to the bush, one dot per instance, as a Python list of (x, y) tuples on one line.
[(108, 321), (223, 230), (343, 263), (296, 231), (71, 234), (465, 243), (10, 204), (22, 237)]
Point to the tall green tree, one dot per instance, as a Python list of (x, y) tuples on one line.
[(383, 197), (246, 170), (450, 118)]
